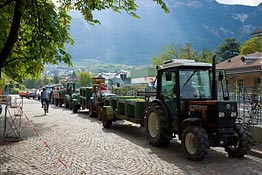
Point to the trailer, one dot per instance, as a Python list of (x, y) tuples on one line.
[(92, 98), (59, 94), (81, 101), (128, 108)]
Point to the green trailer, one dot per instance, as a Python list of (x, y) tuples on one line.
[(81, 101), (128, 108)]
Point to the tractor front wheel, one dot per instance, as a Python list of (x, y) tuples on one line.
[(195, 142), (243, 143)]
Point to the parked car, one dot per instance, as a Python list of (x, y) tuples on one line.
[(31, 94), (23, 93)]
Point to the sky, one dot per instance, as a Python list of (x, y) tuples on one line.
[(244, 2)]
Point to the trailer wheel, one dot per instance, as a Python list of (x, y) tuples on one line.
[(91, 109), (243, 143), (195, 142), (66, 103), (70, 105), (60, 102), (75, 108), (156, 126), (56, 101), (106, 123)]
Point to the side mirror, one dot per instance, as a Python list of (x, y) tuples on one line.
[(220, 75), (168, 76)]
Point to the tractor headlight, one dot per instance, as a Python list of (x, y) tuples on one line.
[(221, 114), (233, 114)]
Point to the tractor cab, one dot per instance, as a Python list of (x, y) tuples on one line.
[(187, 105), (181, 81)]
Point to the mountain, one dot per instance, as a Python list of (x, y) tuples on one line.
[(122, 39)]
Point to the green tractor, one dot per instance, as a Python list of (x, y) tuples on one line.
[(70, 92)]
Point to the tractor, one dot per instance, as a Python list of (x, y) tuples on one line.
[(99, 91), (186, 105)]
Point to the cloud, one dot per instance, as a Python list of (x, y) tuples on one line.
[(242, 2)]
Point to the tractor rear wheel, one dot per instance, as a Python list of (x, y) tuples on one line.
[(106, 123), (243, 143), (195, 142), (156, 126)]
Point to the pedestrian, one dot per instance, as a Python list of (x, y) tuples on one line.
[(44, 97)]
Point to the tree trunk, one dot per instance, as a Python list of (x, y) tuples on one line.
[(13, 34)]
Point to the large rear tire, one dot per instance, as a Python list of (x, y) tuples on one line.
[(195, 142), (106, 123), (243, 143), (156, 126)]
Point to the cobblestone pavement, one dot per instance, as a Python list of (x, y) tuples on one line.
[(79, 145)]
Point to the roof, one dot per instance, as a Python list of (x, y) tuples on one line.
[(183, 62), (257, 33), (237, 63)]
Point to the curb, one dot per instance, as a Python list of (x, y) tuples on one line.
[(255, 153)]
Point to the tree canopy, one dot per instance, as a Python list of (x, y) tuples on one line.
[(228, 49), (84, 78), (185, 52), (34, 32), (251, 46)]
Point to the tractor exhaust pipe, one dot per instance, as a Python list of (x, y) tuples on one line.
[(214, 81)]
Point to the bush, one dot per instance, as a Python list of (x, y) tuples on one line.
[(15, 91)]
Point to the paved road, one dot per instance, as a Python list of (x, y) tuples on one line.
[(79, 145)]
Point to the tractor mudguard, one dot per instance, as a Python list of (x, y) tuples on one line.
[(190, 121), (75, 102), (109, 112), (160, 103)]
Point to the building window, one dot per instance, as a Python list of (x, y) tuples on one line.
[(240, 83)]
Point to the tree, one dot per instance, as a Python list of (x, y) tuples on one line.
[(187, 53), (34, 33), (228, 49), (173, 52), (46, 80), (84, 78), (206, 56), (30, 83), (251, 46), (169, 52), (56, 79)]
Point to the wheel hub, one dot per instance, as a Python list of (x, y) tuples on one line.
[(191, 143), (153, 124)]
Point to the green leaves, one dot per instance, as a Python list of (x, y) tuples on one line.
[(42, 35), (228, 49), (84, 78), (251, 46), (34, 32), (186, 52)]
